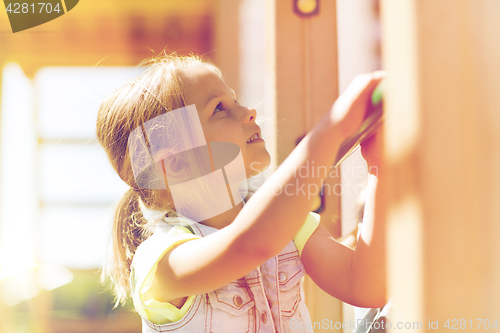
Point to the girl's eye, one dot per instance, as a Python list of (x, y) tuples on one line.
[(218, 108)]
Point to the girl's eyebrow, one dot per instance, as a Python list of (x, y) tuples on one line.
[(220, 95), (211, 98)]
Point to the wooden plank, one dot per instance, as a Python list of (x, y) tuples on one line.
[(226, 41), (301, 87), (441, 142)]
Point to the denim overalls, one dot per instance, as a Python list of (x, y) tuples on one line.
[(268, 299)]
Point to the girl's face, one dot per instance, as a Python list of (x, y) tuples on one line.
[(223, 119)]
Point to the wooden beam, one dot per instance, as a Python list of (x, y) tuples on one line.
[(302, 85), (226, 41), (441, 141)]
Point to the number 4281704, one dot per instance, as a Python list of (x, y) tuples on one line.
[(455, 324), (24, 8)]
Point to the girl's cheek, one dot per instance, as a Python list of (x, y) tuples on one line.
[(230, 133)]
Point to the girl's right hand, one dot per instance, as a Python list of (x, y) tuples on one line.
[(349, 110)]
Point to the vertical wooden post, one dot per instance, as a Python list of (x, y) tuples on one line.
[(441, 141), (302, 85), (226, 53)]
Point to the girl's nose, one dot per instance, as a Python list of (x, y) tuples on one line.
[(250, 114)]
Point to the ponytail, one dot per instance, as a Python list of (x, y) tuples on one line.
[(128, 231)]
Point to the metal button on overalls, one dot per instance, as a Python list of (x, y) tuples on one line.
[(237, 301), (264, 317)]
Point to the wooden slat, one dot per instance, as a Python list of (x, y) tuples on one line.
[(442, 145), (302, 85), (226, 41)]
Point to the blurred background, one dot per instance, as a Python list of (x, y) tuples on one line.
[(57, 187)]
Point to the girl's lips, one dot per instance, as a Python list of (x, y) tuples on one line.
[(256, 136), (256, 140)]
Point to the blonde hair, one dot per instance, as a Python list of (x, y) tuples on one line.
[(159, 89)]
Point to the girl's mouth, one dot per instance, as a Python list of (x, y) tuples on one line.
[(255, 138)]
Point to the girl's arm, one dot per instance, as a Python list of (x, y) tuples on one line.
[(356, 276), (274, 214)]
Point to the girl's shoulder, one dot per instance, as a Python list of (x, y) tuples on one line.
[(173, 225), (167, 233)]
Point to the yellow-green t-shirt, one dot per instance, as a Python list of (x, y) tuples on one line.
[(150, 252)]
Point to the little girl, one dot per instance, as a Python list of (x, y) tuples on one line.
[(236, 268)]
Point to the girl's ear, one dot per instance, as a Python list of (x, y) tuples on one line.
[(175, 168), (177, 164)]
